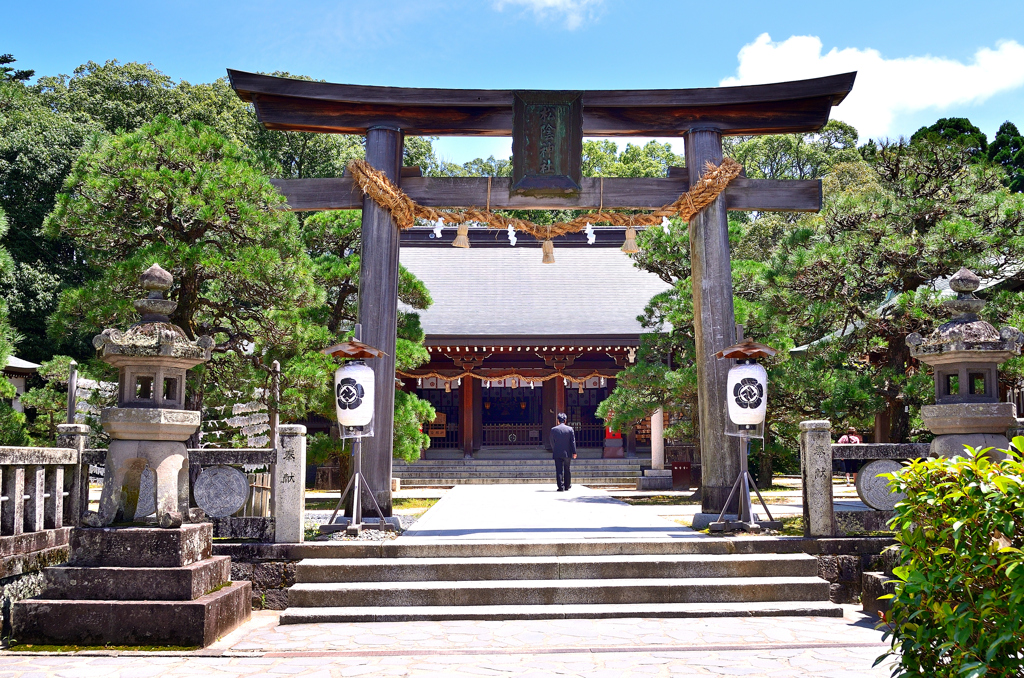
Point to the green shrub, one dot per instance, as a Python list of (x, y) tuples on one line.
[(958, 609), (13, 430)]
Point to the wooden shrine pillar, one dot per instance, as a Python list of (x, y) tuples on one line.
[(378, 310), (713, 323), (547, 405), (478, 414), (466, 415), (559, 397)]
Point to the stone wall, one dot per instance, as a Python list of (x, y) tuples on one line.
[(17, 588), (22, 558), (843, 562)]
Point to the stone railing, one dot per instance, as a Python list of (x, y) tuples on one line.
[(41, 491), (41, 486), (282, 519), (817, 451)]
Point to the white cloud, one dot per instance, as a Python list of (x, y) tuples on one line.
[(884, 88), (574, 12)]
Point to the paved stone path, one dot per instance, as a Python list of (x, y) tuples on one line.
[(795, 647), (538, 513)]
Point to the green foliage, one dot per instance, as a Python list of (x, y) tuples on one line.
[(8, 337), (960, 132), (794, 156), (189, 199), (49, 400), (323, 449), (13, 427), (410, 415), (603, 159), (958, 609), (10, 73), (1007, 149)]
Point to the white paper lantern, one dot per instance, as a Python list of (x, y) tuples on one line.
[(747, 394), (353, 394)]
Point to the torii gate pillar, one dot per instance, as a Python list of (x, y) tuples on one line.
[(378, 310), (714, 325)]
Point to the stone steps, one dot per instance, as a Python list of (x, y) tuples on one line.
[(326, 570), (518, 462), (559, 592), (559, 581), (313, 615), (596, 475), (448, 481)]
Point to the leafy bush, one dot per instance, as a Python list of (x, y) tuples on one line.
[(13, 430), (958, 609)]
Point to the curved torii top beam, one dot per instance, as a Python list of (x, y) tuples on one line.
[(309, 106)]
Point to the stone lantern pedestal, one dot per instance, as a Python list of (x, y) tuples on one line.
[(131, 585), (965, 355)]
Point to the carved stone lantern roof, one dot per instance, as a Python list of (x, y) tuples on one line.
[(966, 338), (154, 339)]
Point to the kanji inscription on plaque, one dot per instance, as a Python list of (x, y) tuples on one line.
[(547, 143)]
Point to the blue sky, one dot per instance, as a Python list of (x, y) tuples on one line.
[(918, 61)]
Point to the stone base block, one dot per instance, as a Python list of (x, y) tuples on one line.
[(649, 481), (248, 527), (850, 523), (873, 586), (198, 622), (952, 445), (956, 418), (702, 520), (137, 583), (613, 452), (140, 546)]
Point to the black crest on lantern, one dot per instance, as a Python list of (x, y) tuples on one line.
[(748, 393), (350, 394)]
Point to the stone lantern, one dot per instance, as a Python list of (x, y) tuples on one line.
[(965, 354), (150, 424)]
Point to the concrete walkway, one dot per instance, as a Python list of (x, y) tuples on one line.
[(789, 647), (538, 513)]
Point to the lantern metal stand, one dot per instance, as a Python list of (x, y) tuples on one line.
[(357, 352), (746, 353)]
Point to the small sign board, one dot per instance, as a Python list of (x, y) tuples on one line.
[(547, 143), (439, 427)]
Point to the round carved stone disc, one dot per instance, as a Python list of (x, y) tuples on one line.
[(221, 490), (874, 491)]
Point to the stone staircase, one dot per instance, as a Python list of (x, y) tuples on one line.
[(438, 581), (443, 472)]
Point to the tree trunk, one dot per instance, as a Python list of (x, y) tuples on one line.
[(899, 418)]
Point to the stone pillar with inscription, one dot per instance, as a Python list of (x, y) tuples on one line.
[(289, 485), (713, 324)]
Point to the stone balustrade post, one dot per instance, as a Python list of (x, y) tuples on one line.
[(658, 439), (816, 470), (75, 436), (289, 492)]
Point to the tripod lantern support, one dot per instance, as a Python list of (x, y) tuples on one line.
[(747, 399), (353, 400)]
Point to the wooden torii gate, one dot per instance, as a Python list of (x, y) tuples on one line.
[(700, 116)]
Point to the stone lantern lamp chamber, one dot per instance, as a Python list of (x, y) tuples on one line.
[(149, 425), (965, 354)]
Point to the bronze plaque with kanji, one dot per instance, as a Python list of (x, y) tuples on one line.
[(547, 143)]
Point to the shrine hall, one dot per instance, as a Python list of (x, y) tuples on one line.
[(530, 340)]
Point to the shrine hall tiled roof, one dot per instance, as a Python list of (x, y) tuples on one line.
[(508, 292)]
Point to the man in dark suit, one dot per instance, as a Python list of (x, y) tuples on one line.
[(563, 450)]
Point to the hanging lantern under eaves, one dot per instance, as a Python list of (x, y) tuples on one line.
[(747, 389), (353, 394)]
